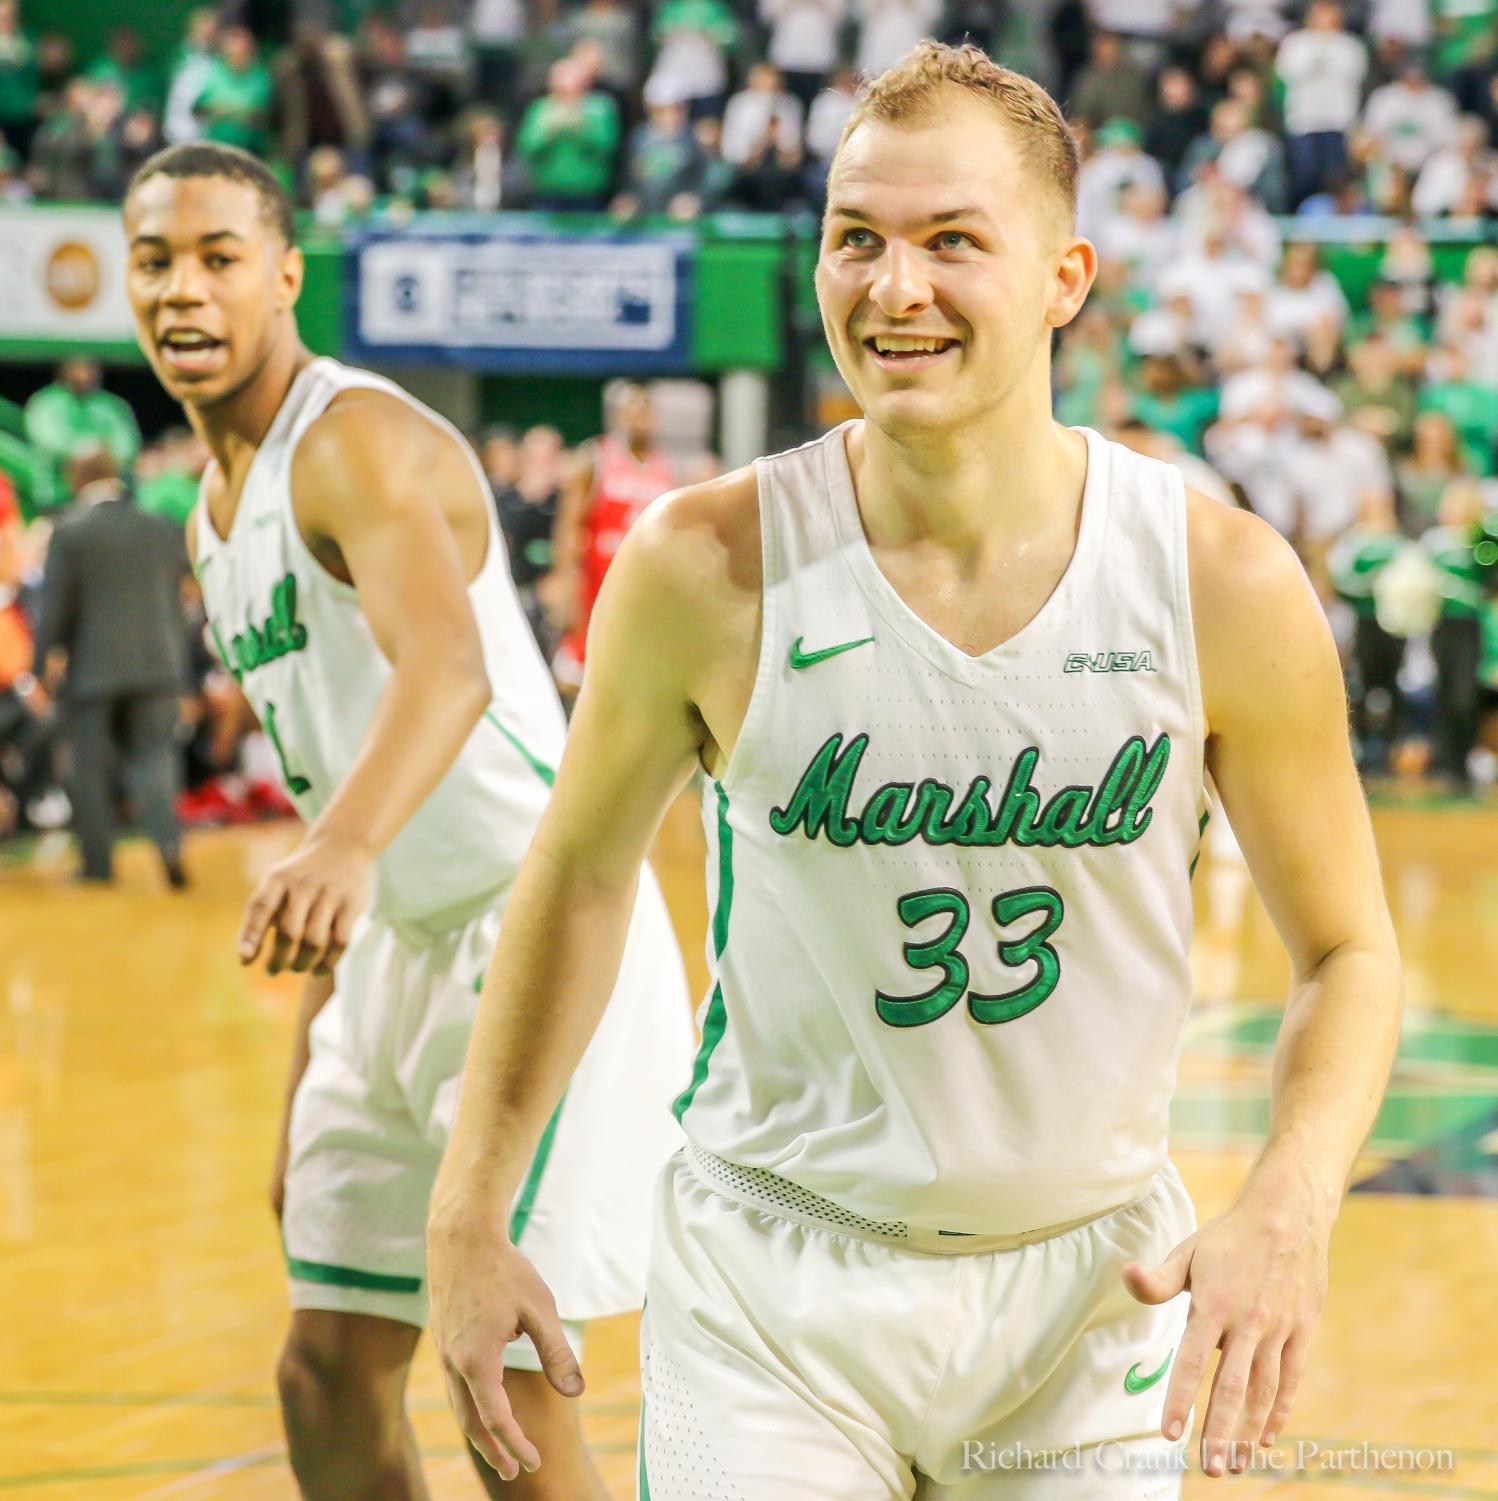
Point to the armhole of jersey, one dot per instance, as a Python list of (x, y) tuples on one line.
[(764, 671), (1185, 617)]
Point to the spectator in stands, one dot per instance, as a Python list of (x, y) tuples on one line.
[(1421, 476), (1322, 68), (168, 472), (762, 111), (73, 151), (568, 142), (13, 186), (1373, 381), (1112, 86), (612, 29), (400, 140), (437, 52), (234, 103), (1467, 315), (112, 601), (1471, 406), (1178, 118), (124, 66), (888, 29), (693, 37), (1354, 563), (20, 81), (27, 725), (1446, 181), (1307, 304), (1410, 118), (479, 170), (1456, 641), (526, 480), (1466, 48), (318, 98), (803, 43), (189, 71), (1118, 162), (665, 166), (75, 413), (824, 124), (1242, 153)]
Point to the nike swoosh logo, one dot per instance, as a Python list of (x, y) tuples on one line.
[(801, 658), (1133, 1382)]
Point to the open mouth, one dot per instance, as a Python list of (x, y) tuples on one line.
[(190, 350), (907, 351)]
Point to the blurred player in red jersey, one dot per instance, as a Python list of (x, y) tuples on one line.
[(617, 476)]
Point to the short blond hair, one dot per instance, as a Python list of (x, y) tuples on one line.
[(911, 92)]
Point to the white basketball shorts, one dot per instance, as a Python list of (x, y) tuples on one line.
[(792, 1350), (375, 1106)]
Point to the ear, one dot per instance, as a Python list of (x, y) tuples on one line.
[(290, 275), (1072, 274)]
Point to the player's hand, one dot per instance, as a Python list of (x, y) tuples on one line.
[(1257, 1279), (485, 1294), (306, 904)]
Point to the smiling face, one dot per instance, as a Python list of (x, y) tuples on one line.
[(211, 281), (943, 268)]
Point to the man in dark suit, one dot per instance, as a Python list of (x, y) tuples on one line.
[(112, 599)]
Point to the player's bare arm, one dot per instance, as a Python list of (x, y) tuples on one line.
[(386, 501), (1278, 750), (672, 655)]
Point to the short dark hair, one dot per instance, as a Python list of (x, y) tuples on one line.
[(210, 159)]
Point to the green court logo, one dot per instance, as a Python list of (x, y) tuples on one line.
[(1134, 1382), (1110, 661)]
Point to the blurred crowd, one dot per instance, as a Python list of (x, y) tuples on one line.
[(1297, 302)]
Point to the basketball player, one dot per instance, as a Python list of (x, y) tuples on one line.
[(357, 587), (616, 477), (958, 677)]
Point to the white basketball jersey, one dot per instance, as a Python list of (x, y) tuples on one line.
[(298, 642), (950, 894)]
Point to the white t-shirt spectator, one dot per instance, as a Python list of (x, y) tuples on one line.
[(1406, 21), (1323, 76), (1295, 311), (1145, 246), (690, 66), (1249, 395), (752, 112), (1102, 180), (1332, 477), (1251, 18), (803, 33), (497, 23), (1443, 182), (824, 124), (891, 28), (1151, 18), (1214, 284), (1410, 124)]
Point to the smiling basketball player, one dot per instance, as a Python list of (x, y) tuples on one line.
[(959, 677)]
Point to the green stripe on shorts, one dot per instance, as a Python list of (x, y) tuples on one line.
[(349, 1276)]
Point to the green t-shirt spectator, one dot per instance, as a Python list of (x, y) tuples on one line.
[(568, 146), (234, 105), (59, 423), (1453, 550), (1473, 410), (20, 82), (1357, 557), (1186, 415), (712, 18), (140, 87), (172, 494), (1466, 33)]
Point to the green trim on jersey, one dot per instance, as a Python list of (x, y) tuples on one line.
[(642, 1492), (521, 1216), (348, 1276), (716, 1020), (546, 773), (1201, 829)]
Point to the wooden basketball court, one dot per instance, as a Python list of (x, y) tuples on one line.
[(142, 1299)]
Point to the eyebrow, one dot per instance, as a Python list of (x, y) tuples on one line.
[(217, 234), (845, 211)]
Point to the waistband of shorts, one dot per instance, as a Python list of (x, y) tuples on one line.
[(770, 1193)]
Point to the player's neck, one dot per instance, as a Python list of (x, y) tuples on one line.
[(235, 427), (970, 491)]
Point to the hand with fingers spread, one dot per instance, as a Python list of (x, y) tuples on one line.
[(306, 904), (485, 1294), (1257, 1277)]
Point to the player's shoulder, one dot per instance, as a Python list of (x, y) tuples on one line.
[(703, 534), (361, 424), (1235, 557)]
